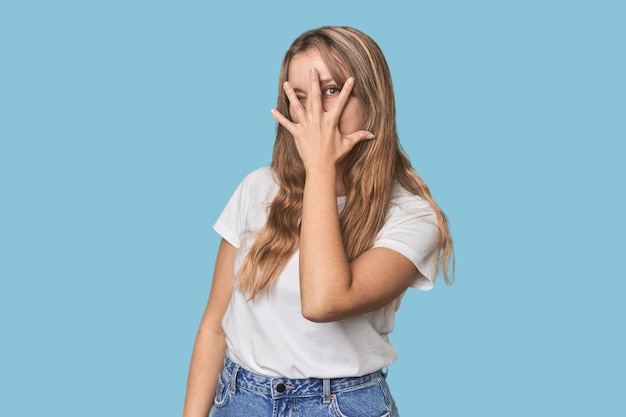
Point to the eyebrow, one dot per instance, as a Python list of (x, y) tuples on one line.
[(323, 82)]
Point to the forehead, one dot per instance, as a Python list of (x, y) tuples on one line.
[(301, 64)]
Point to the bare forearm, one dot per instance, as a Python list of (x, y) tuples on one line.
[(206, 363), (324, 269), (325, 274)]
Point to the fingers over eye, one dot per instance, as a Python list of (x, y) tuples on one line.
[(345, 93), (296, 106), (289, 91)]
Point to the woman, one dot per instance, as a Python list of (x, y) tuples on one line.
[(318, 249)]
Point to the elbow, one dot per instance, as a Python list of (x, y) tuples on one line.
[(316, 317), (319, 312), (321, 305)]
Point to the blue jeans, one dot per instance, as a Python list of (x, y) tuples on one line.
[(241, 393)]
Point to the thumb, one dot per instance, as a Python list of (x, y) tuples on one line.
[(359, 136)]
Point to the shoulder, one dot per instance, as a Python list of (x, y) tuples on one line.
[(259, 180), (258, 187), (403, 202), (410, 213), (262, 175)]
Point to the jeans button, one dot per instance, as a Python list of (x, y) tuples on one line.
[(280, 387)]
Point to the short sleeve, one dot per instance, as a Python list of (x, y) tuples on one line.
[(246, 209), (411, 229), (230, 223)]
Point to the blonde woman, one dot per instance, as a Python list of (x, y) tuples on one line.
[(318, 248)]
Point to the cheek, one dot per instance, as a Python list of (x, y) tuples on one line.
[(352, 118)]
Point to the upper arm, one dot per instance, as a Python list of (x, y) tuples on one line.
[(221, 288), (405, 254), (378, 276)]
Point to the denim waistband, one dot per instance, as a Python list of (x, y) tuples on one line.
[(278, 387)]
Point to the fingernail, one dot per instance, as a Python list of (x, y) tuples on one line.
[(370, 136), (350, 80)]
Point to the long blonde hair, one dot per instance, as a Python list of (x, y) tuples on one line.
[(372, 167)]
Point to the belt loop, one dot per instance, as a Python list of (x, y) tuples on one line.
[(233, 380), (326, 391)]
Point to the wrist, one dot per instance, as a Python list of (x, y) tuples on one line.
[(320, 171)]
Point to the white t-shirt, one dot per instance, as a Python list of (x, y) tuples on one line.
[(270, 336)]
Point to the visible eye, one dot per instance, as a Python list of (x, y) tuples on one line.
[(332, 91)]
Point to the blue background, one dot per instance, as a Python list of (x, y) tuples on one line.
[(126, 125)]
